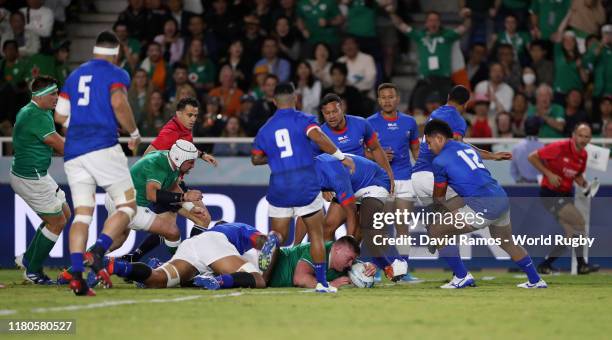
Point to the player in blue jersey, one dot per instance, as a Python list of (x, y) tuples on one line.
[(215, 251), (92, 102), (459, 166), (284, 144)]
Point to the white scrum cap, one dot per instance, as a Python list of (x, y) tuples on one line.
[(182, 151)]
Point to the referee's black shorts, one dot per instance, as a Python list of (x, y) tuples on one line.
[(553, 201)]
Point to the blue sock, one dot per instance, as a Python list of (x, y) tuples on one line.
[(320, 269), (122, 268), (527, 266), (104, 241), (76, 260), (450, 254), (226, 281)]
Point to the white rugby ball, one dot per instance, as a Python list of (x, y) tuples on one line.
[(358, 278)]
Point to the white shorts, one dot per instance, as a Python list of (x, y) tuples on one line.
[(373, 191), (142, 220), (279, 212), (481, 222), (423, 183), (107, 168), (403, 188), (43, 195), (202, 250)]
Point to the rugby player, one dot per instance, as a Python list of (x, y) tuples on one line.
[(458, 166), (34, 141), (284, 143), (563, 163), (92, 101), (215, 251)]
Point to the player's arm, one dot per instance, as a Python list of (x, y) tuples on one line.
[(327, 146), (581, 181), (150, 148), (536, 161), (208, 158), (350, 208), (258, 157), (484, 154), (304, 276), (156, 194), (380, 157), (125, 116), (56, 142), (414, 149)]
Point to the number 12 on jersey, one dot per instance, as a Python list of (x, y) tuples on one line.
[(474, 162), (283, 142)]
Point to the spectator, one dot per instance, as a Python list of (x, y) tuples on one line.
[(499, 93), (201, 70), (569, 74), (227, 92), (477, 66), (210, 124), (246, 105), (278, 66), (198, 31), (39, 19), (287, 9), (129, 57), (607, 133), (136, 18), (182, 91), (546, 16), (320, 64), (308, 88), (155, 115), (193, 6), (434, 49), (517, 8), (574, 113), (156, 66), (263, 12), (5, 15), (521, 169), (55, 65), (519, 40), (263, 108), (224, 24), (157, 13), (432, 103), (512, 69), (599, 59), (232, 129), (288, 40), (361, 24), (319, 21), (139, 93), (239, 64), (503, 129), (605, 114), (170, 41), (551, 115), (529, 83), (260, 74), (28, 41), (180, 15), (361, 67), (180, 77), (13, 87), (351, 96), (586, 18), (519, 114), (544, 68), (480, 123), (58, 8), (252, 40)]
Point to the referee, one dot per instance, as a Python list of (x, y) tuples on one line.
[(562, 163)]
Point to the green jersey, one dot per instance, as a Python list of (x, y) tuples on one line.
[(16, 73), (288, 258), (202, 73), (311, 11), (550, 14), (48, 66), (567, 76), (32, 156), (434, 51), (519, 41), (601, 65), (152, 167), (546, 131), (361, 19)]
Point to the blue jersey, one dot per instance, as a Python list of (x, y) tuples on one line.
[(283, 139), (397, 134), (334, 176), (356, 135), (239, 234), (93, 125), (461, 167), (453, 118)]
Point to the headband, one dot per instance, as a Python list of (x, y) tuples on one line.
[(105, 50), (45, 91)]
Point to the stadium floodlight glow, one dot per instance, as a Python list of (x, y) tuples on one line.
[(105, 50)]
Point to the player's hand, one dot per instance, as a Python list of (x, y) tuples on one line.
[(348, 162), (391, 188), (197, 210), (502, 156), (554, 179), (192, 196), (369, 269), (322, 22), (389, 153), (133, 144), (328, 195), (341, 281), (210, 159)]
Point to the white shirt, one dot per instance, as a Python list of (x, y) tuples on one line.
[(504, 94), (39, 21), (311, 97), (59, 8), (32, 42), (194, 6), (361, 71)]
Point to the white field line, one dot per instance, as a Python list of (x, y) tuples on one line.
[(7, 311)]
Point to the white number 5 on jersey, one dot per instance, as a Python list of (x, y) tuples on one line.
[(84, 90), (474, 162), (283, 142)]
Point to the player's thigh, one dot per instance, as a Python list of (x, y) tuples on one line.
[(572, 217), (228, 265), (335, 216), (178, 271), (109, 168), (162, 224), (43, 195)]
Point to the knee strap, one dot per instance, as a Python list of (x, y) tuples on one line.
[(86, 219), (172, 275), (128, 211)]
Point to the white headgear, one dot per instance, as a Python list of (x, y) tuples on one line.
[(182, 151)]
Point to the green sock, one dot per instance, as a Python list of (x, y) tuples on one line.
[(39, 249), (172, 246)]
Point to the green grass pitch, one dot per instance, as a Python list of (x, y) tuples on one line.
[(572, 307)]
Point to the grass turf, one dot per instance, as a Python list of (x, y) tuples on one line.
[(573, 307)]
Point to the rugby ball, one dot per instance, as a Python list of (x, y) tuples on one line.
[(358, 278)]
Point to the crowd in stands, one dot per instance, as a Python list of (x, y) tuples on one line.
[(550, 59)]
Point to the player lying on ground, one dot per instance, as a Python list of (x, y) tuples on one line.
[(216, 251), (179, 127), (34, 141), (284, 143), (563, 163), (293, 266), (458, 165), (92, 102)]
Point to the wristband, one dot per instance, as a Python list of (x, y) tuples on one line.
[(339, 155), (168, 198), (188, 206), (135, 134)]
